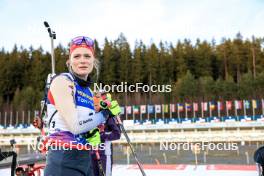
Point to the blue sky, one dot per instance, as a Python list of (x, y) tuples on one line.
[(148, 20)]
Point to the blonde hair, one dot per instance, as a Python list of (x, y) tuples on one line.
[(97, 67)]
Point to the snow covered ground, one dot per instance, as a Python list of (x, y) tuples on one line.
[(181, 170), (186, 170)]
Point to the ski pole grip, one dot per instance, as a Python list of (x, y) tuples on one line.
[(103, 105)]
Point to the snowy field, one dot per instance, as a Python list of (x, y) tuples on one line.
[(186, 170), (181, 170)]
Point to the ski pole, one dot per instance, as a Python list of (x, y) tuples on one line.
[(132, 149), (14, 159), (52, 36), (100, 164), (106, 103), (39, 120)]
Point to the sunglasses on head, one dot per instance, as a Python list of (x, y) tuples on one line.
[(82, 39)]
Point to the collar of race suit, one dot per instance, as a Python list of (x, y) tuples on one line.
[(81, 82)]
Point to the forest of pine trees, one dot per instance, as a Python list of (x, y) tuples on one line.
[(197, 70)]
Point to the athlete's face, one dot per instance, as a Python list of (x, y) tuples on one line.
[(82, 61)]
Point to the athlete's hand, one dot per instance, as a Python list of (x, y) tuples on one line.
[(101, 128), (111, 105), (38, 123)]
